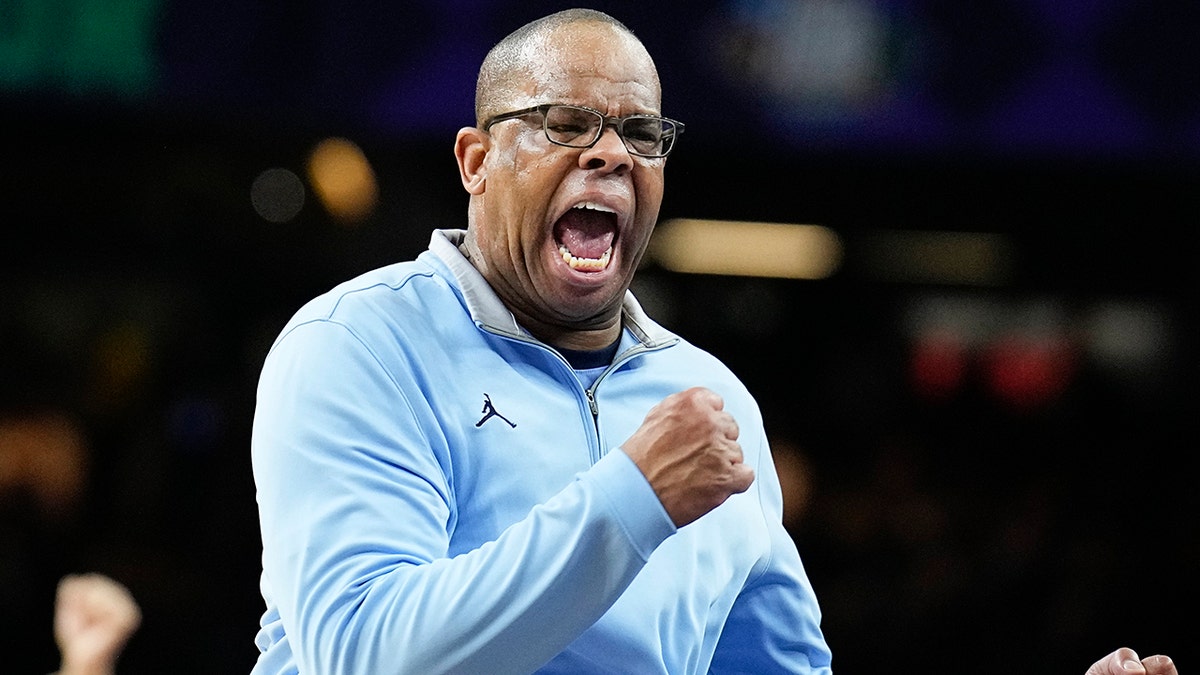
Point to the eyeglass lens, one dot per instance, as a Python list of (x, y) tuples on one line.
[(578, 127)]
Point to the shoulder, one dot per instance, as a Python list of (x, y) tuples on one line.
[(402, 282), (391, 292), (702, 364), (382, 306)]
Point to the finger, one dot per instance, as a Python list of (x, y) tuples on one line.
[(708, 397), (729, 427), (1159, 664), (741, 478)]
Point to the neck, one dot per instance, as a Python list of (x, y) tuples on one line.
[(580, 339)]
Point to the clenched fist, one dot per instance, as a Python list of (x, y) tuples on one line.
[(94, 616), (1125, 661), (688, 450)]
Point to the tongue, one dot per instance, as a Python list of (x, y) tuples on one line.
[(586, 233)]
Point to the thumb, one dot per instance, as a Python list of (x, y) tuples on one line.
[(1133, 667), (1129, 662), (1123, 661)]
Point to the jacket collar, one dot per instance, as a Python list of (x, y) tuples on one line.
[(487, 310)]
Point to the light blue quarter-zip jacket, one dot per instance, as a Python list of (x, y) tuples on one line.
[(439, 492)]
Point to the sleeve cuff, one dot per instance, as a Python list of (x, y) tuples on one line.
[(632, 501)]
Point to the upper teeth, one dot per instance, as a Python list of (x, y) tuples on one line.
[(595, 207)]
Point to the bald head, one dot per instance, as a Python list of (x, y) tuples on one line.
[(506, 70)]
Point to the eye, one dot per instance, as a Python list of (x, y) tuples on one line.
[(643, 130), (565, 123), (572, 127)]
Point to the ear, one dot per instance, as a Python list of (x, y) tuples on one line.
[(470, 149)]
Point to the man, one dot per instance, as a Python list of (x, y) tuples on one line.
[(489, 459)]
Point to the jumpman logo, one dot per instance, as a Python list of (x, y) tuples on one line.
[(489, 411)]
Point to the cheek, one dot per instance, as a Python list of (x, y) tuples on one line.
[(649, 192), (650, 184), (636, 246)]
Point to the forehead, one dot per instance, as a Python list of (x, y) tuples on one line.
[(579, 62)]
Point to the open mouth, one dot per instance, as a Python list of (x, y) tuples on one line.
[(585, 236)]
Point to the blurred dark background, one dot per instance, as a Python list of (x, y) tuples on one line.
[(984, 418)]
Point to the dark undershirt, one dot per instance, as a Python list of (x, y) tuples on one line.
[(583, 359)]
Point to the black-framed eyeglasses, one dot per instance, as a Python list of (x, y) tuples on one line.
[(575, 126)]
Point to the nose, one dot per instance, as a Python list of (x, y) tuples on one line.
[(608, 152)]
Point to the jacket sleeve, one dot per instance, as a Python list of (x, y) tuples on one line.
[(774, 626), (356, 508)]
